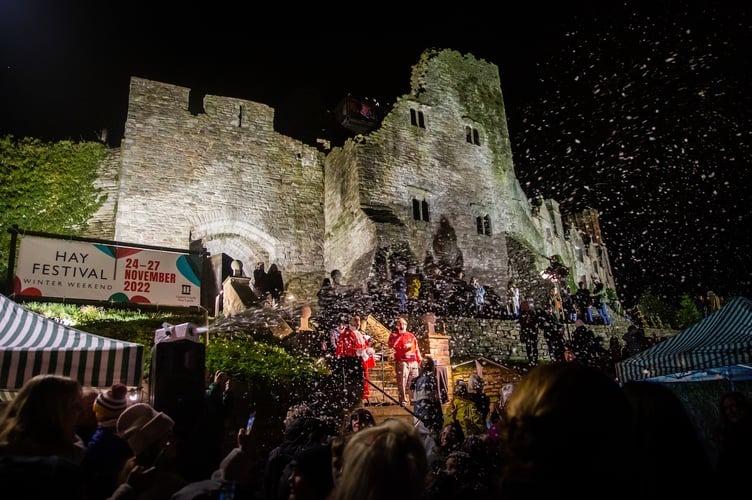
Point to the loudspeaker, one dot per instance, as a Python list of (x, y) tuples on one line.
[(177, 380)]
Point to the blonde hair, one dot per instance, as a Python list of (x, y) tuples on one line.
[(384, 461)]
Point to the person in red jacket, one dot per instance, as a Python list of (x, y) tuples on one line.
[(352, 343), (406, 358)]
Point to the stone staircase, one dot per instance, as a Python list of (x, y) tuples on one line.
[(384, 405), (383, 412)]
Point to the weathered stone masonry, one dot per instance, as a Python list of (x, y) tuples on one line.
[(224, 180)]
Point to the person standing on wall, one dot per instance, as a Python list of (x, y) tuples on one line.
[(406, 358), (259, 281), (529, 330), (479, 298), (513, 300), (584, 302), (413, 288), (714, 303), (275, 284), (601, 299), (552, 333)]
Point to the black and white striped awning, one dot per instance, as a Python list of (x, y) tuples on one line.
[(718, 347), (31, 344)]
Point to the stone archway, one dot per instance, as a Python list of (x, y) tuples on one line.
[(226, 237)]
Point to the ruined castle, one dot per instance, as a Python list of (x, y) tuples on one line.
[(432, 183)]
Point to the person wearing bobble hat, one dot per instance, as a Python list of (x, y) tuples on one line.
[(106, 451), (152, 470)]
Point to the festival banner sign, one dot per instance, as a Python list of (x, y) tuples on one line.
[(117, 272)]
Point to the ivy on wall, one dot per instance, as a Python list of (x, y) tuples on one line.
[(47, 187)]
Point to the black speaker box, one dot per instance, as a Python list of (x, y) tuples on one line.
[(177, 380)]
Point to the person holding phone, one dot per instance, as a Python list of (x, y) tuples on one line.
[(219, 402)]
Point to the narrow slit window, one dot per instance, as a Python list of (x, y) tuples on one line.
[(417, 119), (420, 210), (472, 136), (483, 225)]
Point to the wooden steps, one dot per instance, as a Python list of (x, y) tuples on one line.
[(383, 412)]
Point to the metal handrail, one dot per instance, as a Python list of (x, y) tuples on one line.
[(382, 356), (374, 386)]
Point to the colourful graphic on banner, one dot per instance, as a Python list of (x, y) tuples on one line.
[(66, 269)]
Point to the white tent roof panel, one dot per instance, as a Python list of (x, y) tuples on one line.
[(31, 344)]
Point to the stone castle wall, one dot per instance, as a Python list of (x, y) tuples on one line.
[(211, 172), (223, 177)]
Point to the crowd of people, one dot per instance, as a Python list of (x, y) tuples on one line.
[(567, 422), (444, 293), (563, 426)]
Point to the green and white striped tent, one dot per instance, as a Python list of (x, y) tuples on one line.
[(718, 347), (31, 344)]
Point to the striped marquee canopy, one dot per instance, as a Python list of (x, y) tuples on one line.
[(31, 344), (716, 348)]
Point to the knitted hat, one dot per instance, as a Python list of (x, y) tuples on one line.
[(111, 403), (142, 426)]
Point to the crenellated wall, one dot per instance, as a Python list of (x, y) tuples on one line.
[(211, 172)]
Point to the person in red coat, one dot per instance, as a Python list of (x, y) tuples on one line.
[(406, 358), (352, 343)]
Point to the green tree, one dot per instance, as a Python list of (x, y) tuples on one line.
[(688, 314), (658, 312), (47, 187)]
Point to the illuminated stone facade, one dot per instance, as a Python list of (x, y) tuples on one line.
[(434, 184)]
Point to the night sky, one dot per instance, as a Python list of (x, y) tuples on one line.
[(639, 109)]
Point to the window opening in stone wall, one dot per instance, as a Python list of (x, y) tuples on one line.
[(579, 255), (420, 210), (196, 102), (483, 224), (417, 119), (595, 267), (548, 234), (471, 135), (240, 115), (552, 216)]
